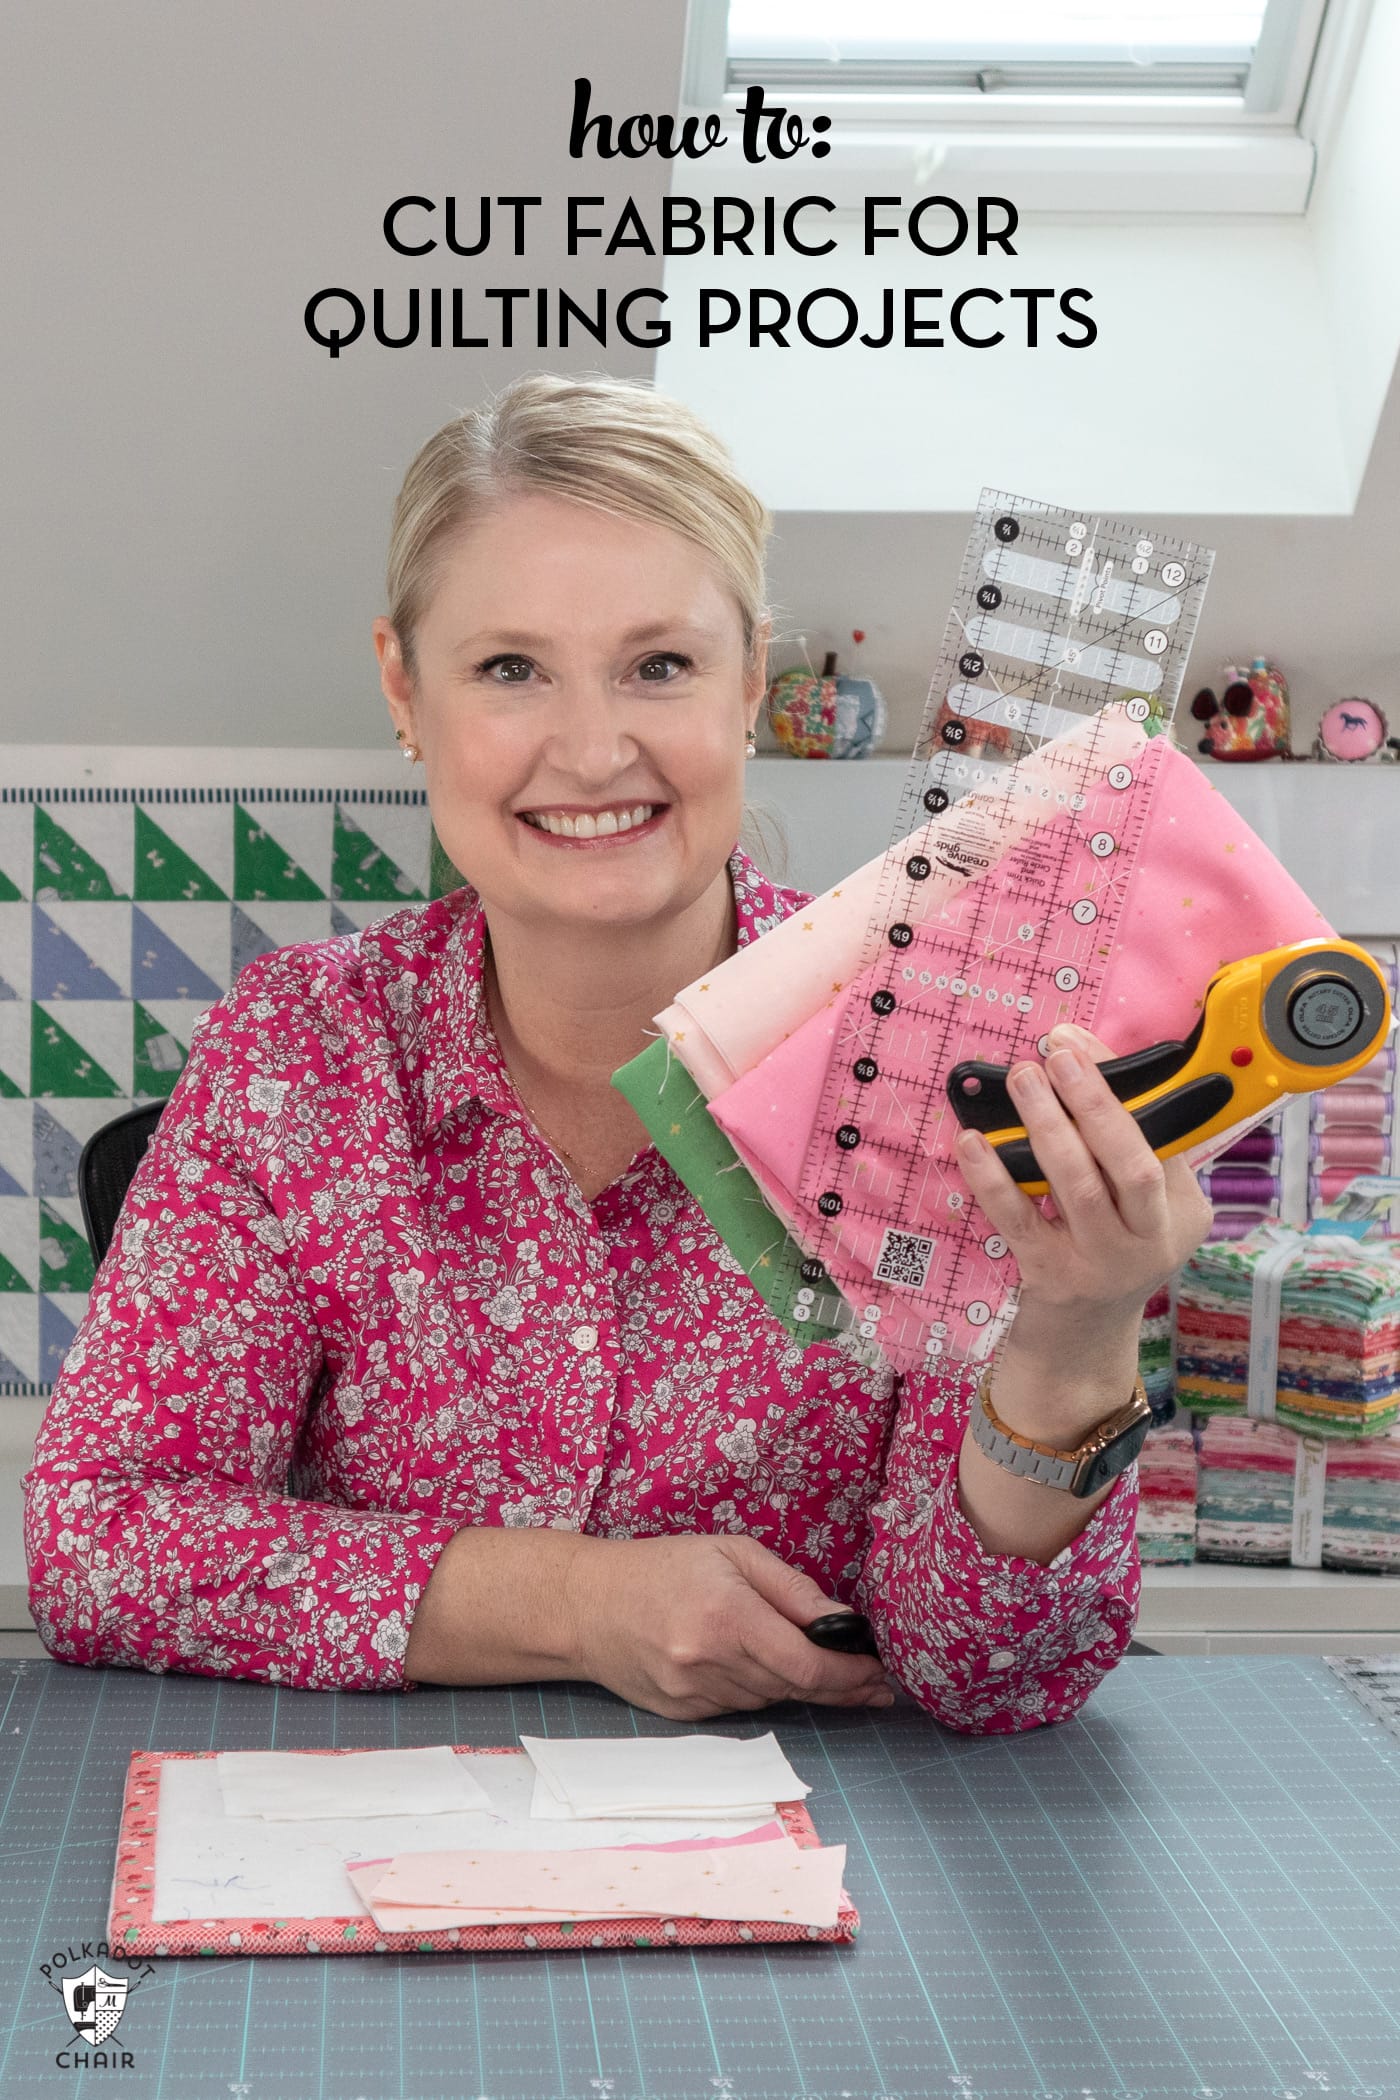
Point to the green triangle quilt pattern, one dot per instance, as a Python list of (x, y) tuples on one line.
[(124, 914)]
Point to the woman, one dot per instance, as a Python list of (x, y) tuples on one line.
[(412, 1360)]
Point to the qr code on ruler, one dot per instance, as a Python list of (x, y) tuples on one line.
[(904, 1260)]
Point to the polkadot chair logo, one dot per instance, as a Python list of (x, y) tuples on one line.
[(94, 1999)]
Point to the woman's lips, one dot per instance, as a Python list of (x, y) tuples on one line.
[(608, 838)]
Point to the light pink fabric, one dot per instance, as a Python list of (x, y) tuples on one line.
[(354, 1303), (721, 1025), (1198, 890)]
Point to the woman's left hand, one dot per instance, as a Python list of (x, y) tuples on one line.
[(1119, 1220)]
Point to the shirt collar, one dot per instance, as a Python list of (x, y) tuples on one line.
[(438, 1008)]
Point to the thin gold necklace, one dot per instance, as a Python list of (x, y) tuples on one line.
[(493, 998), (540, 1131)]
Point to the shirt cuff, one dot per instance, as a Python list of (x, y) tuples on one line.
[(994, 1642), (363, 1579)]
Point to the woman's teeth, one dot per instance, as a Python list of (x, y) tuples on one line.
[(604, 825)]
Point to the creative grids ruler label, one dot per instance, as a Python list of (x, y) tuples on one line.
[(997, 907)]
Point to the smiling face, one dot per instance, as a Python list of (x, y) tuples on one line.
[(584, 673)]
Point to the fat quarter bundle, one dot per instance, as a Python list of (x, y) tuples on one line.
[(1268, 1495), (1166, 1518), (1155, 1356), (1334, 1305)]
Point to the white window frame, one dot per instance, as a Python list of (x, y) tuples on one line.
[(1100, 154)]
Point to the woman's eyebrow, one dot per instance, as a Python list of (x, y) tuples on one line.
[(649, 631)]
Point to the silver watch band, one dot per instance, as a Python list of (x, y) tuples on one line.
[(1075, 1472), (1031, 1465)]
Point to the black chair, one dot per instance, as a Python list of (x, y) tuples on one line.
[(105, 1167)]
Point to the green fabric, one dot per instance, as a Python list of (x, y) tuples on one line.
[(681, 1127)]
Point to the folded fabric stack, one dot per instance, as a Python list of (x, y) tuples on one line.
[(580, 1778), (1155, 1356), (1338, 1332), (747, 1866), (723, 1878), (1249, 1484), (1166, 1519), (780, 1039)]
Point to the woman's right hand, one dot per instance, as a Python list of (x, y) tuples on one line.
[(694, 1626)]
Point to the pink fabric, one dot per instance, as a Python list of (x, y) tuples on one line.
[(367, 1874), (1199, 890), (347, 1258), (721, 1025), (774, 1880)]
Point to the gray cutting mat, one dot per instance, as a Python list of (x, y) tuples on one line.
[(1190, 1892)]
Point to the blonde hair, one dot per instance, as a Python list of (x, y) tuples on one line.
[(613, 444)]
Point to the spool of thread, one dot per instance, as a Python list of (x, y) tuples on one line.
[(1351, 1102), (1386, 956), (1364, 1151), (1256, 1146), (1380, 1071), (1234, 1224), (1331, 1181), (1240, 1185)]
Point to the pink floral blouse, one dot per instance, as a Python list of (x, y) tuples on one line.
[(354, 1302)]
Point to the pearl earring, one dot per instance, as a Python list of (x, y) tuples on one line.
[(410, 751), (750, 747)]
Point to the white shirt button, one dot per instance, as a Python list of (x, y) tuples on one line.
[(584, 1337)]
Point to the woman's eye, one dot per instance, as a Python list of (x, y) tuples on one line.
[(514, 669), (667, 658)]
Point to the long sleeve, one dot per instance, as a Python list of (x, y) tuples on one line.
[(988, 1643), (159, 1530)]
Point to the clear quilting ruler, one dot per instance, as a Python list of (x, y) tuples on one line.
[(1058, 615), (1374, 1680)]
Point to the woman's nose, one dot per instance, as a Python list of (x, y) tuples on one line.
[(589, 735)]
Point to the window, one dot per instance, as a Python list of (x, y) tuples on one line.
[(1118, 105), (1240, 55)]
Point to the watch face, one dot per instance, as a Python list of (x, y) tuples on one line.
[(1115, 1458), (1352, 730)]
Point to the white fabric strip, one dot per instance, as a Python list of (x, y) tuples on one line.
[(1309, 1496), (1295, 1130), (1261, 1398)]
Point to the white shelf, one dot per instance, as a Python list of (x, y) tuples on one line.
[(1335, 828), (1210, 1608)]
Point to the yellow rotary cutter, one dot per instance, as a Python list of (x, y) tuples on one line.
[(1286, 1022)]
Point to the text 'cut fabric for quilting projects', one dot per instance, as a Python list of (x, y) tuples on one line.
[(1195, 890)]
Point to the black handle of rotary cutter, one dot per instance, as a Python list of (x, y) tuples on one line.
[(1170, 1116), (848, 1632), (989, 1105)]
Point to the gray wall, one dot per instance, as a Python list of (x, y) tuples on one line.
[(194, 501)]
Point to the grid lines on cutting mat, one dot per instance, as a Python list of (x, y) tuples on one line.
[(1191, 1891)]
